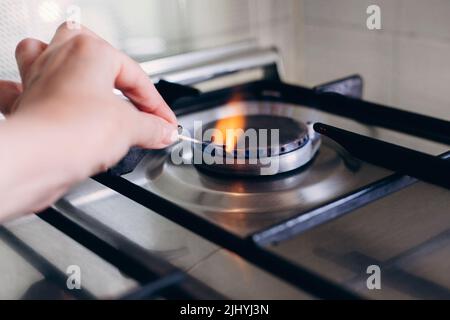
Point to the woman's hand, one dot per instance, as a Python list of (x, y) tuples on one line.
[(64, 123)]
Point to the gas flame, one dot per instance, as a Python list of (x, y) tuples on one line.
[(229, 132), (230, 129)]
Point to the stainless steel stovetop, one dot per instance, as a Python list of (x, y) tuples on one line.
[(307, 233), (246, 205)]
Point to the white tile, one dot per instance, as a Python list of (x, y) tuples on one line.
[(428, 19), (351, 13), (287, 38), (423, 77), (332, 53), (205, 17), (264, 11)]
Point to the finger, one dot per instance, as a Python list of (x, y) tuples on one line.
[(27, 51), (137, 86), (129, 77), (152, 132), (65, 33), (9, 92)]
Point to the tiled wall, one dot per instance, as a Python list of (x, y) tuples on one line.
[(280, 23), (170, 25), (406, 64)]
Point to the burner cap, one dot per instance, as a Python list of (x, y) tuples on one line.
[(251, 151)]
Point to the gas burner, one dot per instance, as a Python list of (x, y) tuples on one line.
[(237, 202), (247, 146)]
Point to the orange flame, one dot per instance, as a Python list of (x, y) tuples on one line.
[(230, 128), (230, 134)]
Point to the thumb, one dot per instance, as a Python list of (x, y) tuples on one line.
[(153, 132), (9, 92)]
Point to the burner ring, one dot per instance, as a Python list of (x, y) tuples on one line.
[(296, 146)]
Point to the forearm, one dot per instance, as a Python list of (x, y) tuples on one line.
[(35, 167)]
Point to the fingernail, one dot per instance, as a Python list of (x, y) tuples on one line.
[(172, 136)]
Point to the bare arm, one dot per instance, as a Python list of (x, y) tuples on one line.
[(64, 124)]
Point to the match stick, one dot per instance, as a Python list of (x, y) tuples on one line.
[(185, 138)]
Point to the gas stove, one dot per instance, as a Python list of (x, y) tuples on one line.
[(338, 202), (244, 204)]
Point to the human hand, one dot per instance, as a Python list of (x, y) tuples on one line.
[(65, 112)]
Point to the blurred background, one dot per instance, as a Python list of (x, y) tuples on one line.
[(405, 64)]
